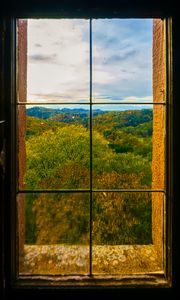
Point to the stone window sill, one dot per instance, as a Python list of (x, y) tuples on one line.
[(74, 259)]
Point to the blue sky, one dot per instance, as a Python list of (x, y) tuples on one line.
[(58, 60)]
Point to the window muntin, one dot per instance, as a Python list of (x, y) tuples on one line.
[(93, 190)]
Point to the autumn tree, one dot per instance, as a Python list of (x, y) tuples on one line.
[(59, 158)]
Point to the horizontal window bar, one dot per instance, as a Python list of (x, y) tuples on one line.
[(89, 190), (53, 191), (128, 190)]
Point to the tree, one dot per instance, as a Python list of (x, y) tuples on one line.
[(59, 158), (121, 217)]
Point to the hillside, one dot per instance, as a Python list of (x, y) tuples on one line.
[(58, 157), (126, 131), (45, 112), (79, 115)]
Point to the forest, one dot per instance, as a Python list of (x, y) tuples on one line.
[(58, 157)]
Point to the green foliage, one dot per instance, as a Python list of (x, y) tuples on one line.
[(58, 157), (117, 217), (36, 126), (128, 118), (62, 218), (30, 220), (54, 153), (120, 219), (142, 130)]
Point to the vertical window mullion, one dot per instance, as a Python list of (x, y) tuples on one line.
[(90, 125)]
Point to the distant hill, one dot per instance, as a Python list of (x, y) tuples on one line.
[(103, 121), (124, 118), (46, 113), (119, 118)]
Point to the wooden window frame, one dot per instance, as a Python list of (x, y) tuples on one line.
[(8, 93)]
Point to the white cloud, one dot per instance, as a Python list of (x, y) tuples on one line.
[(138, 99), (58, 60), (59, 65), (122, 51)]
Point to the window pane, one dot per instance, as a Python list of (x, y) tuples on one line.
[(128, 147), (125, 138), (58, 60), (56, 238), (122, 60), (54, 147), (124, 240)]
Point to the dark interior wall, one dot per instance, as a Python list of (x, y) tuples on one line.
[(176, 149), (88, 8), (99, 8)]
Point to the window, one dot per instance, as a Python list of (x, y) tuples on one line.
[(142, 257), (92, 135)]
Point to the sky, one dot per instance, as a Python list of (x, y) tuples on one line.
[(59, 55)]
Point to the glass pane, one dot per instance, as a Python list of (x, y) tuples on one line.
[(122, 60), (54, 147), (125, 241), (53, 233), (58, 60), (128, 146)]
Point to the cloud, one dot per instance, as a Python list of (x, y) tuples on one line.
[(37, 45), (56, 97), (58, 59), (116, 58), (40, 58), (127, 100), (59, 69), (127, 62), (134, 99)]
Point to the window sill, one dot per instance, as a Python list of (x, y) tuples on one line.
[(127, 264), (107, 281)]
